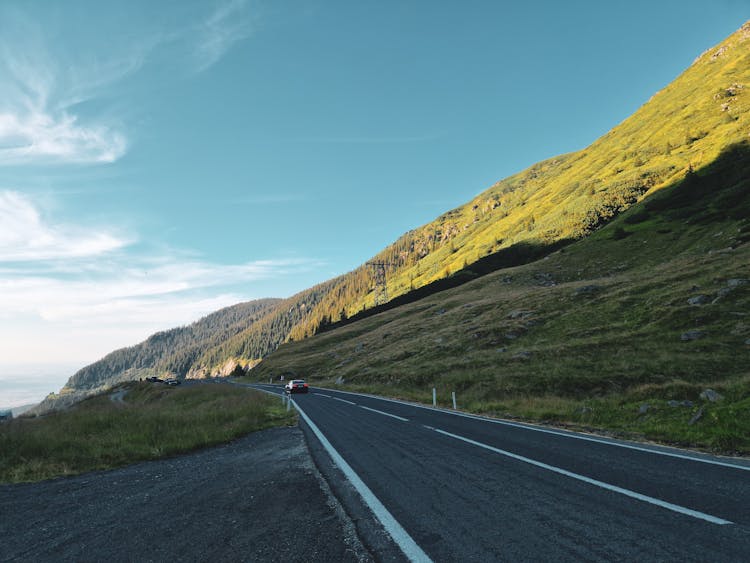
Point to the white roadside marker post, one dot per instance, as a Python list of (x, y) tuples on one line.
[(434, 397), (453, 395)]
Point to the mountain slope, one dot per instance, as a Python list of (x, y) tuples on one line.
[(682, 128), (173, 351), (626, 329), (233, 338), (685, 125), (261, 337)]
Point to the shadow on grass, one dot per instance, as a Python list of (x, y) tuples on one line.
[(516, 255), (718, 191)]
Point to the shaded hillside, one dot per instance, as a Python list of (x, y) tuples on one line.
[(225, 342), (172, 351), (625, 329), (263, 336)]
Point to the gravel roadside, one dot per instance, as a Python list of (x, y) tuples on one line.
[(259, 498)]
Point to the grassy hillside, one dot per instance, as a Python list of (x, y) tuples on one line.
[(683, 128), (652, 308)]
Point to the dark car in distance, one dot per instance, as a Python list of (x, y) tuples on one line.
[(296, 386)]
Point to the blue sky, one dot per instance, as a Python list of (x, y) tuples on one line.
[(160, 160)]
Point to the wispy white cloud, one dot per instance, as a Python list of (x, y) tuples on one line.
[(37, 94), (40, 89), (132, 297), (56, 278), (38, 137), (79, 290), (56, 270), (26, 236), (229, 24)]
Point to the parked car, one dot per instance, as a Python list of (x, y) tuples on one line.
[(155, 379), (296, 386), (172, 382)]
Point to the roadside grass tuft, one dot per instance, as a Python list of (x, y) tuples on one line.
[(154, 421)]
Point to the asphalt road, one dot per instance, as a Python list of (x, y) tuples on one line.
[(470, 489), (259, 498)]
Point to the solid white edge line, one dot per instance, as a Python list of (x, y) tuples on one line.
[(614, 488), (343, 400), (400, 536), (571, 435), (607, 486), (385, 413)]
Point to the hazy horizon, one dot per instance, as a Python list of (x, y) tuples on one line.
[(29, 383)]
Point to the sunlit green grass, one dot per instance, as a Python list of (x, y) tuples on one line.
[(683, 127), (586, 336), (154, 421)]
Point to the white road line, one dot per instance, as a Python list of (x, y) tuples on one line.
[(385, 413), (400, 536), (571, 435), (323, 395), (620, 490), (343, 400)]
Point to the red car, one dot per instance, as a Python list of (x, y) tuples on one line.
[(296, 386)]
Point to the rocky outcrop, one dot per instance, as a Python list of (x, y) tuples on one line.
[(730, 286), (696, 417), (692, 335), (230, 368), (711, 396), (588, 289)]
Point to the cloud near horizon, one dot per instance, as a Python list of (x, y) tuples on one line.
[(63, 276), (25, 236)]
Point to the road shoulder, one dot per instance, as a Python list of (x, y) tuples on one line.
[(368, 529), (258, 498)]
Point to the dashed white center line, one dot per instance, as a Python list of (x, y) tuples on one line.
[(343, 400), (561, 433), (614, 488), (401, 418), (323, 395), (401, 537)]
